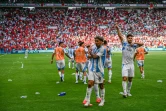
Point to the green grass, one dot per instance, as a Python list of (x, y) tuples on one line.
[(38, 75)]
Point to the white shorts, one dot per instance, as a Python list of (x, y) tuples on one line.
[(108, 63), (81, 67), (128, 70), (140, 63), (71, 60), (97, 77), (60, 64)]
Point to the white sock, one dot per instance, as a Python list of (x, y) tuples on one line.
[(76, 76), (129, 86), (81, 75), (69, 64), (102, 91), (73, 65), (143, 74), (124, 85), (96, 88), (59, 74), (110, 74), (88, 94), (84, 79)]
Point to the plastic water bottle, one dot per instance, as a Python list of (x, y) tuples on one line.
[(62, 94)]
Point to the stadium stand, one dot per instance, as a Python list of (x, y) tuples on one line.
[(43, 27)]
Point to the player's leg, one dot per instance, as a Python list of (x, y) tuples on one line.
[(124, 80), (69, 63), (109, 75), (62, 73), (96, 89), (143, 73), (72, 63), (76, 75), (59, 69), (102, 90), (142, 70), (62, 69), (84, 77), (88, 92), (89, 89), (140, 64), (130, 77), (109, 65), (83, 67), (80, 75), (129, 86)]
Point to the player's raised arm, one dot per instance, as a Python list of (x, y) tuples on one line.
[(139, 44), (119, 33)]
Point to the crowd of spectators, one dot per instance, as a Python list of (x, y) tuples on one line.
[(43, 28), (85, 1)]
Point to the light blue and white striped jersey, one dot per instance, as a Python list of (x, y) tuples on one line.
[(76, 47), (108, 56), (97, 65), (71, 52), (128, 52)]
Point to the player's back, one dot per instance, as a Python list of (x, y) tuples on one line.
[(59, 55), (80, 55), (140, 53)]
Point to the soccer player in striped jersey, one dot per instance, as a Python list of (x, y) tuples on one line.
[(97, 56), (80, 58), (59, 54), (71, 54), (108, 62), (128, 51), (140, 57), (96, 86)]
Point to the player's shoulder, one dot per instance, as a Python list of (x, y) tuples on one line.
[(103, 48), (124, 43)]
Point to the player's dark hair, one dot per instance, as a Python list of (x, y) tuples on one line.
[(129, 35), (60, 43), (99, 38), (80, 43), (88, 46), (105, 42)]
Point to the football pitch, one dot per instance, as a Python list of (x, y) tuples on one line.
[(30, 85)]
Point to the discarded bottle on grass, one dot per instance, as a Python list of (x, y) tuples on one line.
[(62, 94)]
